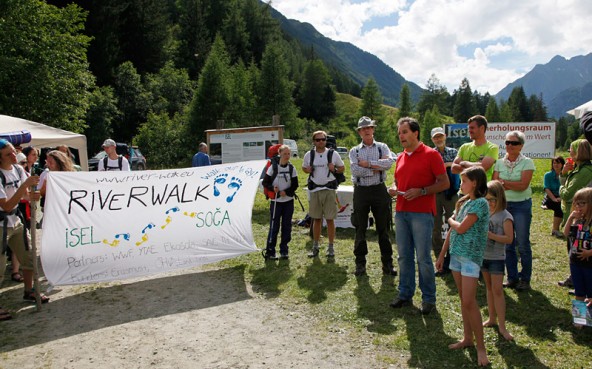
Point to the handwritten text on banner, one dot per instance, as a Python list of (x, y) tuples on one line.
[(104, 226)]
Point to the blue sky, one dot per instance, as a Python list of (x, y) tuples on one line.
[(490, 42)]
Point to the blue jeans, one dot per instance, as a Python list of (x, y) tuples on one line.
[(414, 237), (522, 213)]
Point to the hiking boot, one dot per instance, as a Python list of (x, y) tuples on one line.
[(387, 269), (510, 284), (566, 283), (330, 252), (523, 286), (314, 252), (399, 303), (284, 256), (360, 270), (427, 307)]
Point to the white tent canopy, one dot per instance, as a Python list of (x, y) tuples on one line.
[(580, 110), (46, 136)]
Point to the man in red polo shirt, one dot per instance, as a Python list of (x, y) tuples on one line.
[(419, 175)]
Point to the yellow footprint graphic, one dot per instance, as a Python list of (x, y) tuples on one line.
[(144, 239)]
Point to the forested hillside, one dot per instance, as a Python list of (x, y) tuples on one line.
[(159, 73)]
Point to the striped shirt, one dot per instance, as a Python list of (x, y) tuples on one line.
[(362, 176)]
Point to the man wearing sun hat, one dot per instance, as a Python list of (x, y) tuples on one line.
[(445, 200), (369, 162), (112, 161)]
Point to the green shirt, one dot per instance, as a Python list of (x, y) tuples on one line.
[(472, 243), (473, 153), (514, 174)]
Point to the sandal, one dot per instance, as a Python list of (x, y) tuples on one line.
[(17, 277), (30, 296), (4, 315)]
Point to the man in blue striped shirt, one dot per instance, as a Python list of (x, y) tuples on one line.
[(369, 162)]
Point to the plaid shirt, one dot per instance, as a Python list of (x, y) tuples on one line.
[(449, 154), (365, 176)]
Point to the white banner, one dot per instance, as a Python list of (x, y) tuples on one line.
[(104, 226), (540, 138)]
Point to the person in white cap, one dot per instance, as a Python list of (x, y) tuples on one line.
[(112, 161), (445, 200), (370, 160)]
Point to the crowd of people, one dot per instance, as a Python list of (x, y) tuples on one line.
[(488, 214)]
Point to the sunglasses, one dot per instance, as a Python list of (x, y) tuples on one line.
[(320, 139), (513, 143)]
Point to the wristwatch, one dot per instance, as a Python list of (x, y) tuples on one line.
[(424, 191)]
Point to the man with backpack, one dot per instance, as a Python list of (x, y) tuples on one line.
[(112, 161), (325, 169), (16, 185), (280, 183)]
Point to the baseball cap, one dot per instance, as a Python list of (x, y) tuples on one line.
[(20, 157), (108, 142), (437, 131)]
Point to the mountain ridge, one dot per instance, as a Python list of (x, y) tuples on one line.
[(356, 63), (563, 83)]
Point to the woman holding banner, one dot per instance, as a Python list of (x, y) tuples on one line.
[(515, 171)]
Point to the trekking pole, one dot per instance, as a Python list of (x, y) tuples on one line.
[(272, 221), (33, 227)]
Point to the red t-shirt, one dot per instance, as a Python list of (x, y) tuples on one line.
[(418, 170)]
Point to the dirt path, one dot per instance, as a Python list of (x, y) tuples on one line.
[(188, 319)]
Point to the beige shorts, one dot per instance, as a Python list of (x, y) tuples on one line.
[(16, 242), (323, 204)]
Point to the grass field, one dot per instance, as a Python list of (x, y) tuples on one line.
[(540, 319)]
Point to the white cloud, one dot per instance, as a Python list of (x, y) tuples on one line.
[(429, 35)]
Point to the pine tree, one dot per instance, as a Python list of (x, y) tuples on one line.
[(434, 94), (431, 120), (464, 103), (404, 101), (492, 112), (371, 100), (132, 101), (316, 97), (211, 98), (275, 88), (519, 105)]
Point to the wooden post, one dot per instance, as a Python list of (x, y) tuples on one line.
[(275, 120), (36, 286)]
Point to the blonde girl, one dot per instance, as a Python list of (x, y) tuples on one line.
[(577, 229), (467, 240), (501, 232)]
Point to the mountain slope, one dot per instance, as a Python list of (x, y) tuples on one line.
[(558, 81), (349, 59)]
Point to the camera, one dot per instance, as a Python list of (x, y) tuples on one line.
[(36, 170)]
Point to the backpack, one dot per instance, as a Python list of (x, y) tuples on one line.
[(119, 163), (339, 177), (274, 163), (273, 158)]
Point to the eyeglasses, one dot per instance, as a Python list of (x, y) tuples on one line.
[(580, 204), (320, 139), (513, 143), (491, 199)]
